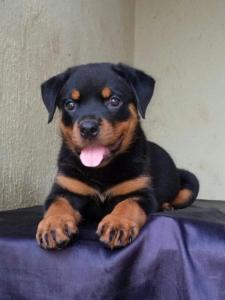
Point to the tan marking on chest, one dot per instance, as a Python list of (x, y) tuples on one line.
[(78, 187), (129, 186)]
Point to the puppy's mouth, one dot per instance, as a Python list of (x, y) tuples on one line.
[(94, 155)]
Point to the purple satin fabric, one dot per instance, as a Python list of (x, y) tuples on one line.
[(177, 256)]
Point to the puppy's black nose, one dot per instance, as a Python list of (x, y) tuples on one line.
[(89, 128)]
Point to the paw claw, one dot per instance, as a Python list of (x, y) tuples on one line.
[(53, 235), (55, 232), (116, 231), (61, 244), (46, 239), (112, 234)]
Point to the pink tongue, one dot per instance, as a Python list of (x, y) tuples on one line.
[(92, 156)]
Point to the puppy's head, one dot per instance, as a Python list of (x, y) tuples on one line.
[(99, 106)]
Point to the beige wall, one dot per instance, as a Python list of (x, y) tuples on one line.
[(39, 39), (182, 44)]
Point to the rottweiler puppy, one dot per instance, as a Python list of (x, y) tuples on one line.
[(107, 171)]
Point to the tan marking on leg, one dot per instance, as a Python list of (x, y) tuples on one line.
[(123, 224), (130, 209), (62, 206), (75, 186), (182, 197)]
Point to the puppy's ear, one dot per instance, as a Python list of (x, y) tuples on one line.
[(50, 90), (141, 84)]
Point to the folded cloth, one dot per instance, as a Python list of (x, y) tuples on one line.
[(178, 255)]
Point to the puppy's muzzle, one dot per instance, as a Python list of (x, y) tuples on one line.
[(89, 128)]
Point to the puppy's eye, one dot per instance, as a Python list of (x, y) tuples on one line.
[(114, 102), (70, 105)]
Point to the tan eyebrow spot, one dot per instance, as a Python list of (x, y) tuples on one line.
[(106, 92), (75, 94)]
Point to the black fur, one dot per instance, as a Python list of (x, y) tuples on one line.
[(141, 157)]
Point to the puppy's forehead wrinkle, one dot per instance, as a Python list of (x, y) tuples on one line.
[(94, 78)]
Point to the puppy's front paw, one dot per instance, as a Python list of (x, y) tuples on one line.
[(117, 231), (55, 232)]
